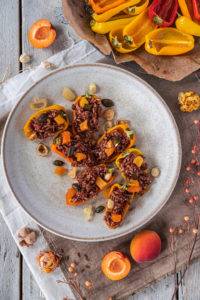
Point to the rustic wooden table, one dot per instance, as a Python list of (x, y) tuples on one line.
[(16, 281)]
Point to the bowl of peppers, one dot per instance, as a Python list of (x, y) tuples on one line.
[(161, 33)]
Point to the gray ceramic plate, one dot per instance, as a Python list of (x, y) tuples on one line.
[(42, 194)]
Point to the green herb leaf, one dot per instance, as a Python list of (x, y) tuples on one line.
[(128, 40), (131, 10), (130, 133), (157, 20), (115, 42)]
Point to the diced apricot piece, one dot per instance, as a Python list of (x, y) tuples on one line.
[(101, 183), (138, 161), (84, 125), (59, 170), (41, 34), (83, 101), (80, 156), (116, 218), (59, 120), (69, 197), (145, 246), (66, 137), (115, 265), (110, 148)]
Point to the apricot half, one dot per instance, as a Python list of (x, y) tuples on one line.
[(115, 265), (145, 246), (41, 34)]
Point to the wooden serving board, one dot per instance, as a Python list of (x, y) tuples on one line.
[(88, 256)]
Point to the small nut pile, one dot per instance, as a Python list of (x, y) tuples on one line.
[(48, 261), (189, 101), (27, 236)]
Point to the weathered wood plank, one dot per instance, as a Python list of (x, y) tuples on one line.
[(9, 65), (161, 290), (30, 288), (189, 289)]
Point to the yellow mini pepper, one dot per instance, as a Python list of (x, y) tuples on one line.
[(117, 41), (114, 11), (186, 7), (105, 27), (168, 41), (137, 9), (135, 32), (186, 25)]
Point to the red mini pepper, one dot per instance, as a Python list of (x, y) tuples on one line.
[(163, 12), (196, 9)]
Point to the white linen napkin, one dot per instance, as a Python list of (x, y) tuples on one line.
[(13, 214)]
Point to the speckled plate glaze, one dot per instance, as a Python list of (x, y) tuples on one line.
[(42, 194)]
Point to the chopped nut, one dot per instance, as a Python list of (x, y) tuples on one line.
[(92, 88), (42, 149), (155, 172), (109, 114), (88, 284), (108, 176), (48, 261), (24, 58), (30, 239), (48, 65), (27, 236), (72, 172), (23, 232), (68, 94), (88, 212), (71, 270), (38, 103), (189, 101), (110, 204)]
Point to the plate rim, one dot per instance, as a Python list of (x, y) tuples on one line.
[(140, 80)]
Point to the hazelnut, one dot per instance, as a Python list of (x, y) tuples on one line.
[(24, 58), (42, 149), (48, 65), (155, 172), (92, 88), (110, 204)]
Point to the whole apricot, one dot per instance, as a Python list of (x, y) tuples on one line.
[(145, 246), (115, 265)]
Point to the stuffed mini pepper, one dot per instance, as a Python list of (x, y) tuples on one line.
[(75, 150), (89, 183), (134, 169), (117, 205), (46, 123), (113, 142), (85, 114)]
